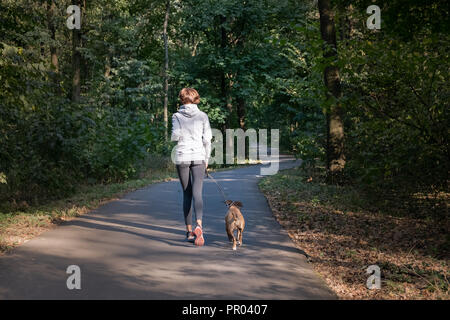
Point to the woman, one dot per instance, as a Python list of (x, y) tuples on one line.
[(191, 128)]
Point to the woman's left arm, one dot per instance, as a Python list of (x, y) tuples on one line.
[(207, 136)]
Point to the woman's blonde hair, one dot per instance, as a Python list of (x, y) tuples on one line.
[(189, 95)]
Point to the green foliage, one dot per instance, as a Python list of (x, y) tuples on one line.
[(396, 99), (119, 140), (50, 145), (265, 57), (394, 94)]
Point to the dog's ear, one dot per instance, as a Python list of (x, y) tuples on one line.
[(238, 204), (227, 202)]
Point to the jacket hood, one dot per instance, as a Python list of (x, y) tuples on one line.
[(189, 110)]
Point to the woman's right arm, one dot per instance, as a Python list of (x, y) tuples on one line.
[(207, 136)]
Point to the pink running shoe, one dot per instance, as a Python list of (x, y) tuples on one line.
[(199, 240)]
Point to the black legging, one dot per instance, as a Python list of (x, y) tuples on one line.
[(191, 178)]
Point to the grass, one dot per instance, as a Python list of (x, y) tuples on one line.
[(344, 229)]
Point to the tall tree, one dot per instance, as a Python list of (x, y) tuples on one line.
[(76, 57), (51, 14), (241, 111), (225, 86), (335, 125), (166, 69)]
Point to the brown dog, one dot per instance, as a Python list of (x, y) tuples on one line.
[(234, 221)]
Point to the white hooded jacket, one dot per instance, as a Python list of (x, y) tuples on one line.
[(191, 128)]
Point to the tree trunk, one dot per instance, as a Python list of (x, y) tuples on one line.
[(223, 91), (241, 112), (51, 13), (76, 58), (109, 52), (107, 72), (225, 83), (166, 71), (335, 126), (54, 75)]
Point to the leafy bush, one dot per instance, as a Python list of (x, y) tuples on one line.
[(396, 98), (50, 145)]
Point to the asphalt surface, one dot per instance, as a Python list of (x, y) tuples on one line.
[(134, 248)]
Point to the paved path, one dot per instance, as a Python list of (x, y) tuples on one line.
[(133, 248)]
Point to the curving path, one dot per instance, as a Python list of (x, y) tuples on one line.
[(133, 248)]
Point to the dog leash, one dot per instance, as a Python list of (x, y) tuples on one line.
[(220, 188)]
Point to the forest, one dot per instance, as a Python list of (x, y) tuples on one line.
[(363, 108)]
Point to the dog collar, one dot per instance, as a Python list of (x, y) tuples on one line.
[(230, 204)]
